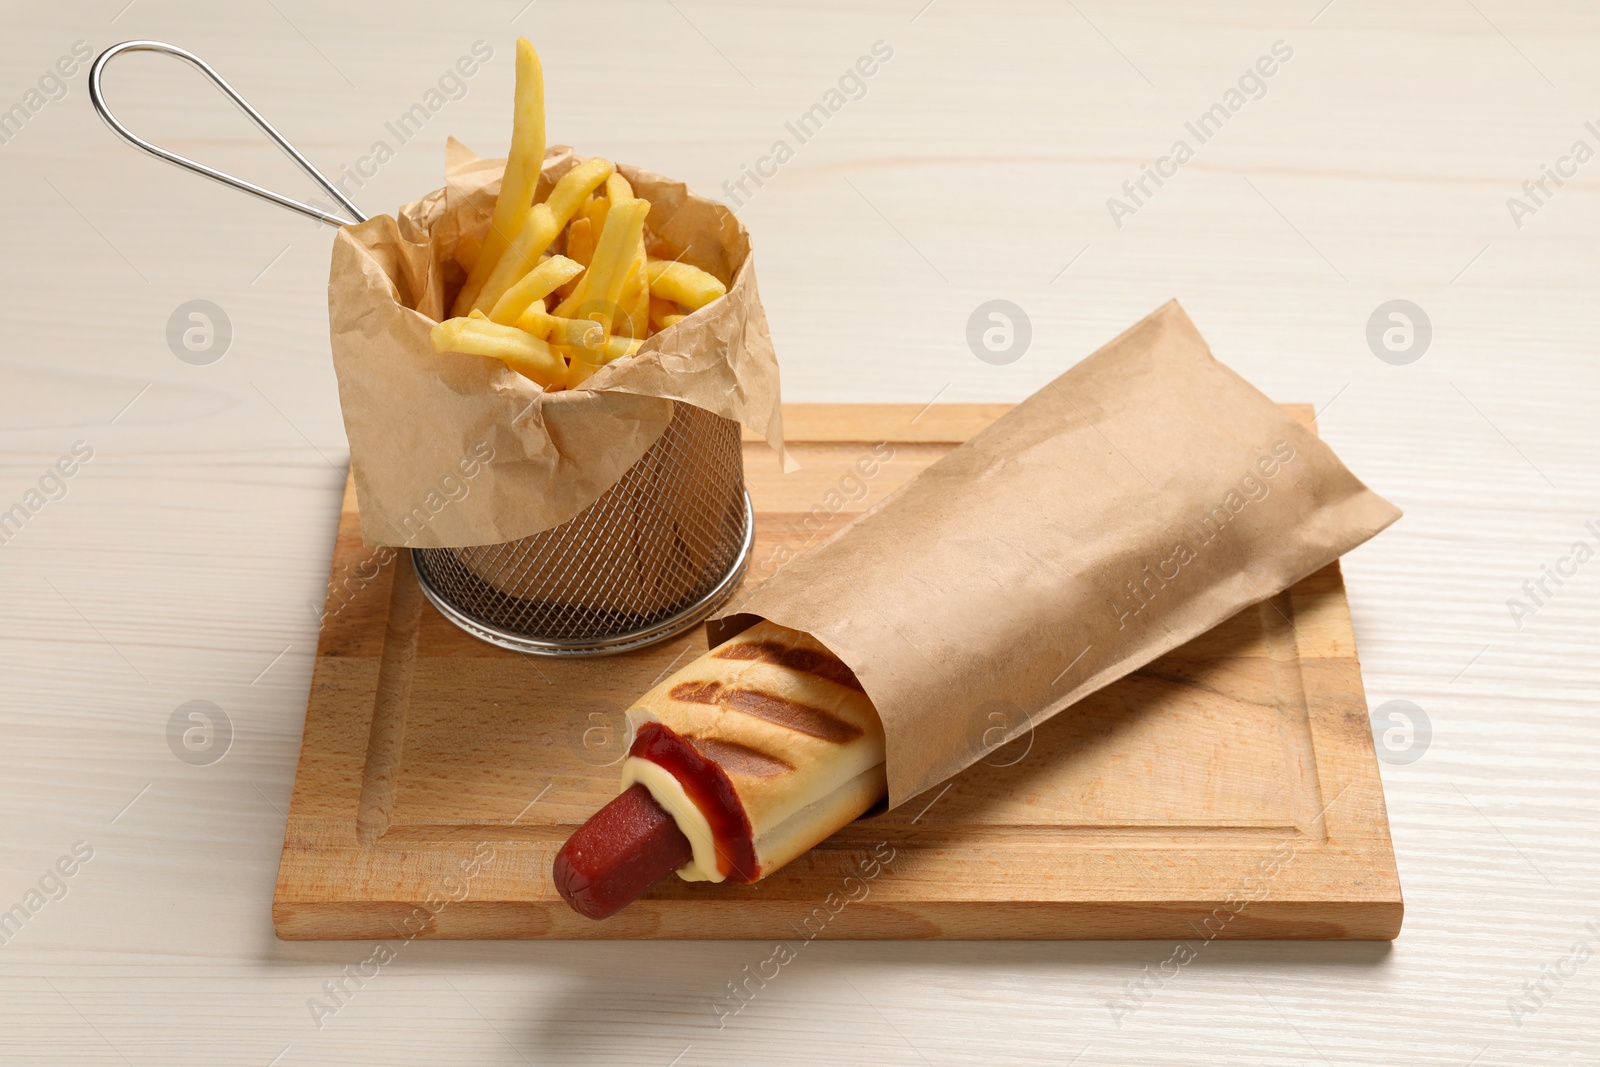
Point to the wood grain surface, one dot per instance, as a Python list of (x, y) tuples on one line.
[(189, 559), (1230, 788)]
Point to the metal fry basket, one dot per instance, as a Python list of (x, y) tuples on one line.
[(653, 556)]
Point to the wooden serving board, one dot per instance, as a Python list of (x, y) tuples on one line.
[(1229, 789)]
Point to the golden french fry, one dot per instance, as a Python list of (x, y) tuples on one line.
[(595, 211), (618, 347), (537, 322), (597, 296), (635, 306), (594, 358), (517, 349), (689, 286), (563, 372), (581, 215), (580, 241), (583, 334), (579, 372), (635, 294), (521, 176), (572, 192), (520, 257), (545, 223), (593, 218), (467, 251), (661, 309), (535, 285)]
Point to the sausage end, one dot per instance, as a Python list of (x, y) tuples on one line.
[(625, 848)]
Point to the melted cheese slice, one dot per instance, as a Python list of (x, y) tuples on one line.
[(690, 819)]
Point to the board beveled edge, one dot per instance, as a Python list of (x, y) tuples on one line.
[(951, 920), (1360, 898)]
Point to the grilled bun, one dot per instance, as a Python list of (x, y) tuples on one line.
[(789, 725)]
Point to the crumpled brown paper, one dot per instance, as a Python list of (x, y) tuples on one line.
[(1130, 505), (452, 450)]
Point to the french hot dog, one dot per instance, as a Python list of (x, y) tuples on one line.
[(755, 752)]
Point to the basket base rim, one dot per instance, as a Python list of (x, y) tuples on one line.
[(608, 645)]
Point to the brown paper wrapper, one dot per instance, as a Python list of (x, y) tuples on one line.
[(1127, 507), (448, 450)]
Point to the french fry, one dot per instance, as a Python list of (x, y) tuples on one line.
[(521, 176), (535, 285), (580, 241), (635, 294), (595, 211), (689, 286), (544, 224), (520, 257), (572, 192), (598, 294), (536, 322), (579, 372), (636, 290), (580, 247), (582, 334), (662, 309), (635, 307), (585, 361), (521, 351), (582, 214)]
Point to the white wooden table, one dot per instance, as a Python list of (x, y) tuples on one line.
[(185, 560)]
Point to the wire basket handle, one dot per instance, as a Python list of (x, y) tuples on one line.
[(97, 98)]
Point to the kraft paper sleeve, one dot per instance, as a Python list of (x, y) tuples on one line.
[(1133, 503)]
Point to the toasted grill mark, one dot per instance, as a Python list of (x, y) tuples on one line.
[(780, 711), (696, 692), (804, 660), (790, 713), (741, 759)]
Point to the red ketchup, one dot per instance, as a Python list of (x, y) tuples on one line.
[(707, 785)]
